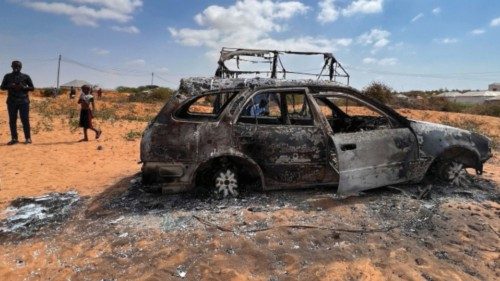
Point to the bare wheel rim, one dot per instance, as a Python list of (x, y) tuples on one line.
[(456, 174), (226, 183)]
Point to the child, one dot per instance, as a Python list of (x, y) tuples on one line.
[(85, 100)]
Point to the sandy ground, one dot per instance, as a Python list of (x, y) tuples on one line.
[(119, 232)]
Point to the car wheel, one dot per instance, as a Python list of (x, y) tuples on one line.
[(226, 183), (452, 172)]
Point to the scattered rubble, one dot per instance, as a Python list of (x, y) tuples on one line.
[(282, 233)]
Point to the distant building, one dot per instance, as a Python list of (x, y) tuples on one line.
[(495, 87), (495, 100), (473, 97), (76, 84)]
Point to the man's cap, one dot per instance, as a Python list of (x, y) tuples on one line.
[(85, 87), (16, 63)]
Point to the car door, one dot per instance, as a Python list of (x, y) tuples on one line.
[(283, 139), (370, 155)]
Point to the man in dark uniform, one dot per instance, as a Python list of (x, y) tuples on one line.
[(18, 85)]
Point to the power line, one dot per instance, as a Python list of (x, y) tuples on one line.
[(450, 76), (164, 80), (106, 71), (120, 72)]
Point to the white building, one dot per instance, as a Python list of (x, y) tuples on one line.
[(473, 97), (494, 87)]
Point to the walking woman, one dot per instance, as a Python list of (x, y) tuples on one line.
[(87, 104)]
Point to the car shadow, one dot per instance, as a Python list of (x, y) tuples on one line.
[(129, 197)]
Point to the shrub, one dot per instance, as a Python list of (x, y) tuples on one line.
[(151, 96), (123, 89), (132, 135), (106, 113), (379, 91), (47, 92), (485, 109), (74, 124)]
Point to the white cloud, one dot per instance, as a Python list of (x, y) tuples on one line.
[(162, 70), (195, 37), (137, 62), (495, 22), (397, 46), (252, 24), (247, 15), (123, 6), (478, 31), (88, 12), (377, 38), (388, 61), (328, 12), (127, 29), (417, 17), (369, 61), (363, 7), (100, 52), (446, 40), (381, 62), (436, 11)]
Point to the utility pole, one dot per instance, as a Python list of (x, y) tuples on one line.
[(152, 78), (58, 72)]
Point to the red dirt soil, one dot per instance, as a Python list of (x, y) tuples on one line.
[(108, 239)]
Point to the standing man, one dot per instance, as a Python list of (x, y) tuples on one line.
[(72, 93), (18, 85)]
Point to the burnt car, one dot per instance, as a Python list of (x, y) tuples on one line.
[(226, 135)]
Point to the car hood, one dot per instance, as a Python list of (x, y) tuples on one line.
[(427, 127)]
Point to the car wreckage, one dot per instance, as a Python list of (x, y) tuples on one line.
[(227, 134)]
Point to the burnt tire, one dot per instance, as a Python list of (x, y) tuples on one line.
[(451, 172), (225, 183)]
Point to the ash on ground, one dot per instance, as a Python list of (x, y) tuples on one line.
[(427, 230), (26, 215), (405, 206)]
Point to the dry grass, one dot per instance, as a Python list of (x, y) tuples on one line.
[(111, 108)]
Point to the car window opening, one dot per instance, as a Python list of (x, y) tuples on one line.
[(347, 115), (277, 109), (206, 107)]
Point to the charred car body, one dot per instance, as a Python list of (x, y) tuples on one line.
[(227, 134)]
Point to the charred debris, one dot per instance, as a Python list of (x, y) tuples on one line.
[(332, 70)]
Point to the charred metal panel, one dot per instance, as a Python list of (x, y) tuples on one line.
[(289, 155), (170, 143), (331, 70), (217, 140), (371, 159), (434, 139)]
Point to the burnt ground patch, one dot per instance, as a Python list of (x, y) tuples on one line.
[(399, 232), (26, 216)]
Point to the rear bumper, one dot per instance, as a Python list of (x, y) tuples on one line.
[(175, 177)]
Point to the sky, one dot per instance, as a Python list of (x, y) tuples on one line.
[(407, 44)]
